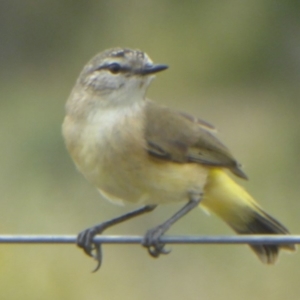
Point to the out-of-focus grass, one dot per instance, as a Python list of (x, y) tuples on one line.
[(228, 65)]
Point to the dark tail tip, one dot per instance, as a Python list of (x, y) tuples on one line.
[(262, 223)]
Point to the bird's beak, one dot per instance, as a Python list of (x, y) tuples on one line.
[(152, 69)]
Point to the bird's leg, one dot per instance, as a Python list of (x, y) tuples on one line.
[(151, 239), (85, 238)]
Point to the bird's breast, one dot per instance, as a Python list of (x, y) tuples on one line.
[(111, 153)]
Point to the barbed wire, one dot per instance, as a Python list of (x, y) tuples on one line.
[(117, 239)]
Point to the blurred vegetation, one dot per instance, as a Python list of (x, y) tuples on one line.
[(234, 63)]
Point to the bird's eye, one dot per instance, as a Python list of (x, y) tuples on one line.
[(114, 68)]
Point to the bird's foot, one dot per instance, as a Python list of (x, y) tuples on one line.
[(152, 243), (85, 242)]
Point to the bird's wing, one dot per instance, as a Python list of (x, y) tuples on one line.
[(179, 137)]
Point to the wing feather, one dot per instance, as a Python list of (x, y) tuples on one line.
[(179, 137)]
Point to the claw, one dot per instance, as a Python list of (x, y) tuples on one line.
[(86, 237), (155, 251), (85, 242), (151, 242), (98, 257)]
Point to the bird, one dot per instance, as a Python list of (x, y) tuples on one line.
[(134, 150)]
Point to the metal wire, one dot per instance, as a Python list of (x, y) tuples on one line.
[(117, 239)]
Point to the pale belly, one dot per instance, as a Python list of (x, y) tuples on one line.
[(150, 182)]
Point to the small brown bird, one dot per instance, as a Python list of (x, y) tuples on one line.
[(135, 150)]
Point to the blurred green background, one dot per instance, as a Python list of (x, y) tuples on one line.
[(233, 63)]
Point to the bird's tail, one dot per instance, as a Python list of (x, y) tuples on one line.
[(239, 210)]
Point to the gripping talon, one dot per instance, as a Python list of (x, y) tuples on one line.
[(98, 257), (156, 250), (85, 239), (151, 242), (85, 242)]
